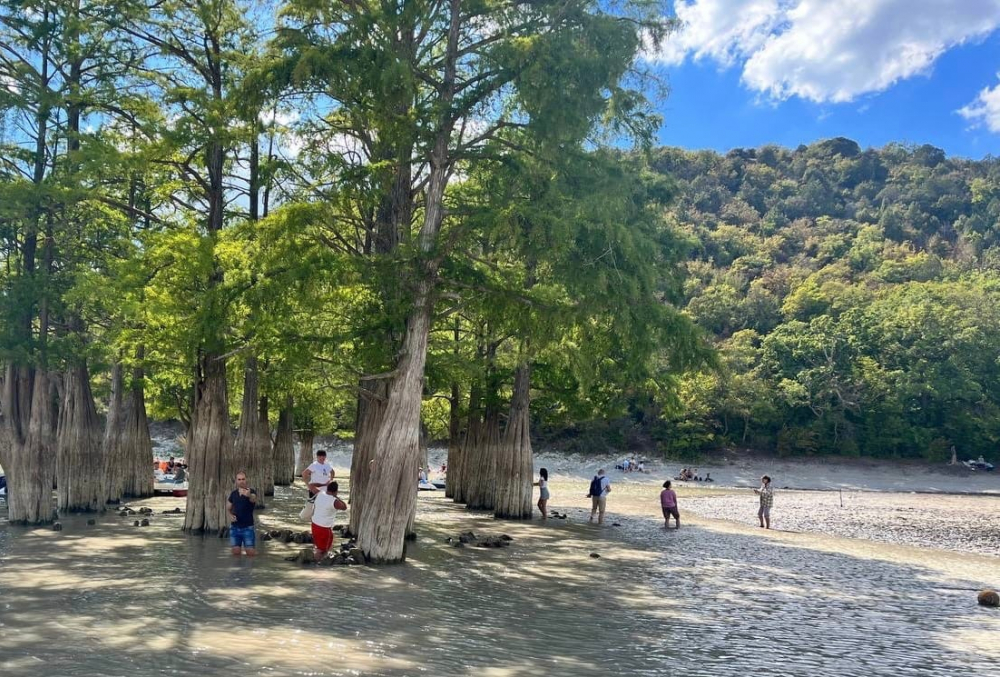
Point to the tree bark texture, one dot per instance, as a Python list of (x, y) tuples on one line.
[(253, 445), (305, 456), (390, 492), (454, 441), (462, 475), (515, 465), (135, 440), (31, 456), (79, 462), (115, 462), (211, 454), (482, 470), (284, 447), (372, 396), (266, 444)]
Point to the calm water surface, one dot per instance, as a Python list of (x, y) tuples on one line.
[(712, 599)]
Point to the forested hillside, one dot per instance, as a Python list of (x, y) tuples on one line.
[(854, 297)]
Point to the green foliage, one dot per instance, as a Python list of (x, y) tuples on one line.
[(878, 260)]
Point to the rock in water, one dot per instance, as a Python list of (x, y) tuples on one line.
[(144, 523), (56, 526), (594, 555), (92, 521), (989, 598), (265, 536), (135, 523), (357, 554)]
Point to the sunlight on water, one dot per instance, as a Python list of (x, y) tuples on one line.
[(715, 598)]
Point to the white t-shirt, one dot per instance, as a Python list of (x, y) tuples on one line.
[(321, 473), (605, 485), (324, 512)]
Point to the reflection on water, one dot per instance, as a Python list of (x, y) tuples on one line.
[(711, 599)]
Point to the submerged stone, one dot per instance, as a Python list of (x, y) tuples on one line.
[(989, 598)]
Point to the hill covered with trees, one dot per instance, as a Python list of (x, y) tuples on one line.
[(854, 297)]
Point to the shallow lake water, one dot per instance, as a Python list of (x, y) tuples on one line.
[(714, 598)]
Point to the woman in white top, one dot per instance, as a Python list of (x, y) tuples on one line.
[(543, 492)]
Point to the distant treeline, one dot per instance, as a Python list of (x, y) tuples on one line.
[(854, 297)]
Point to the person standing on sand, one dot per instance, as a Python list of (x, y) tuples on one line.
[(543, 492), (600, 487), (766, 494), (240, 507), (668, 501)]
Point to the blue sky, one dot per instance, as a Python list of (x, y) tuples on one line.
[(750, 72)]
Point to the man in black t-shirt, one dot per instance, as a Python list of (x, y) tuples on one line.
[(240, 508)]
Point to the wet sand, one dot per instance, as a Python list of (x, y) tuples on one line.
[(968, 524), (714, 598)]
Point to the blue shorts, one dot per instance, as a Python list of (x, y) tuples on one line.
[(242, 536)]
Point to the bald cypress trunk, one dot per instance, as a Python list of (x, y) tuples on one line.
[(265, 445), (114, 451), (136, 444), (211, 455), (31, 453), (481, 492), (454, 442), (390, 492), (307, 437), (461, 476), (284, 447), (373, 393), (79, 462), (515, 466), (252, 450)]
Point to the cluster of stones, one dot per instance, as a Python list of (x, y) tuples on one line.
[(287, 536), (470, 538)]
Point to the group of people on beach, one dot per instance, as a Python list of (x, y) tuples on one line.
[(324, 504)]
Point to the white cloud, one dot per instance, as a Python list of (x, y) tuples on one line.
[(985, 110), (825, 50)]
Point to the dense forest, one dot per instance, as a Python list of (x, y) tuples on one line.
[(853, 295)]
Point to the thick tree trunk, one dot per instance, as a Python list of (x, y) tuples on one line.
[(390, 492), (454, 443), (481, 490), (372, 396), (79, 462), (515, 465), (305, 456), (115, 461), (211, 454), (135, 441), (252, 447), (284, 447), (461, 476), (31, 457), (266, 444)]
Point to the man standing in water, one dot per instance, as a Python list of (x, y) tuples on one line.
[(240, 508), (324, 515), (318, 474), (600, 487), (766, 494)]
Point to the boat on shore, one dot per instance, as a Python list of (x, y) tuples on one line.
[(165, 485)]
